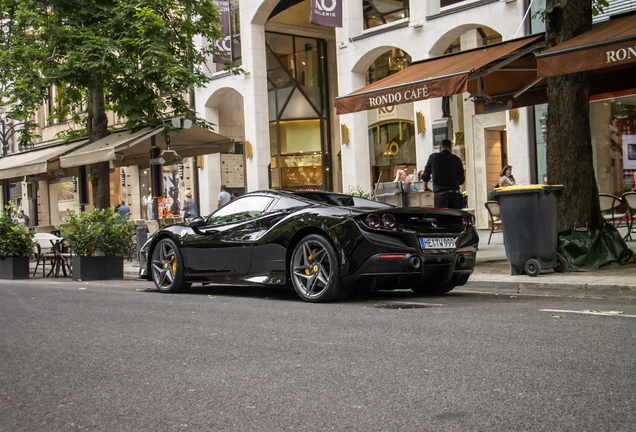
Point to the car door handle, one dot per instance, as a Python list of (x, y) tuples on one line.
[(205, 232)]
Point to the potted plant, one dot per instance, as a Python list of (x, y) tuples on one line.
[(99, 241), (16, 245)]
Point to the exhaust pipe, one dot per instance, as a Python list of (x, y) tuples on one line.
[(414, 263), (461, 261)]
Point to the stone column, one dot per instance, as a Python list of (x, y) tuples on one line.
[(431, 109), (355, 154), (256, 105)]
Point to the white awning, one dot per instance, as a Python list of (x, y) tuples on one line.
[(36, 161), (125, 148)]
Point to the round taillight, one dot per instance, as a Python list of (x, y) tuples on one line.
[(373, 220), (468, 221), (388, 220)]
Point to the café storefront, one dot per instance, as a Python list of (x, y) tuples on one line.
[(609, 51), (50, 178)]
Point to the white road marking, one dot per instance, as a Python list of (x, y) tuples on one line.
[(587, 313)]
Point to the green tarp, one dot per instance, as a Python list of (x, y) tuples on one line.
[(593, 249)]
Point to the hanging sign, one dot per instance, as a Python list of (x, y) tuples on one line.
[(326, 12), (225, 44)]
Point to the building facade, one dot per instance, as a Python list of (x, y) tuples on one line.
[(280, 112), (283, 106)]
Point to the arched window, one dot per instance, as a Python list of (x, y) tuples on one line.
[(380, 12), (387, 64)]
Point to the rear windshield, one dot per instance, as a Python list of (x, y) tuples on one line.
[(342, 200)]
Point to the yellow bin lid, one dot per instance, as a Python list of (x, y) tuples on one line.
[(529, 188), (520, 187)]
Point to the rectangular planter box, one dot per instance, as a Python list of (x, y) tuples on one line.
[(14, 268), (98, 268)]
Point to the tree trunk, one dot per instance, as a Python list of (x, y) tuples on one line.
[(98, 128), (569, 148)]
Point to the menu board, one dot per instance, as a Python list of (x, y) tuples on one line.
[(232, 173)]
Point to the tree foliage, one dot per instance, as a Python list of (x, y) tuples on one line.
[(139, 59)]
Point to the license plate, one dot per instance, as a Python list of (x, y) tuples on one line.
[(437, 243)]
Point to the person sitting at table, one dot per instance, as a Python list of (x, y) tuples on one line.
[(400, 176)]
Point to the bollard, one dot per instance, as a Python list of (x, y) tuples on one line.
[(142, 237)]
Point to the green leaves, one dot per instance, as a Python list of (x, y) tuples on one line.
[(15, 241), (598, 5), (97, 230), (138, 51), (357, 191)]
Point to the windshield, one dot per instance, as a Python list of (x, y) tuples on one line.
[(239, 210)]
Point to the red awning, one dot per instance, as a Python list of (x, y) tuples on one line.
[(610, 47), (494, 69)]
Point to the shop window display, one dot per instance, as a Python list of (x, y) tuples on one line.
[(392, 147), (62, 191), (170, 203), (613, 127), (298, 112)]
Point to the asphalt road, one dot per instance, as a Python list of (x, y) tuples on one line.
[(114, 357)]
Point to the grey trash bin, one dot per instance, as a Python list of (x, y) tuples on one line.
[(529, 220)]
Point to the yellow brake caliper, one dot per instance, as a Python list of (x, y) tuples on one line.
[(310, 258), (174, 266)]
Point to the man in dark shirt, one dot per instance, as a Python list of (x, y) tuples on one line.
[(448, 173)]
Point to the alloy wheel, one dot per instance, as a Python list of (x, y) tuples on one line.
[(164, 266), (311, 268)]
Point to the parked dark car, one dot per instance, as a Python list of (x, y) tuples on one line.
[(324, 244)]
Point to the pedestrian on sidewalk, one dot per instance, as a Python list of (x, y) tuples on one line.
[(224, 197), (189, 206), (447, 171), (123, 212)]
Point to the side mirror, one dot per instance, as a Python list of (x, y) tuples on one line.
[(196, 222)]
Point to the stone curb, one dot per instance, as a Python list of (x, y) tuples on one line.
[(561, 288)]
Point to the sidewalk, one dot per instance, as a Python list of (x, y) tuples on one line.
[(492, 274)]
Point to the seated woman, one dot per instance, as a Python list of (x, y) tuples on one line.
[(400, 176), (506, 177)]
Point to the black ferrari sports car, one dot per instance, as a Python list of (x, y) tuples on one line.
[(324, 244)]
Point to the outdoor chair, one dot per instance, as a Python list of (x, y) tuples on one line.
[(610, 209), (49, 248), (629, 199), (495, 217), (43, 253)]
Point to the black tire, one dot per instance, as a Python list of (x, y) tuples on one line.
[(315, 271), (533, 267), (562, 265), (166, 268)]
